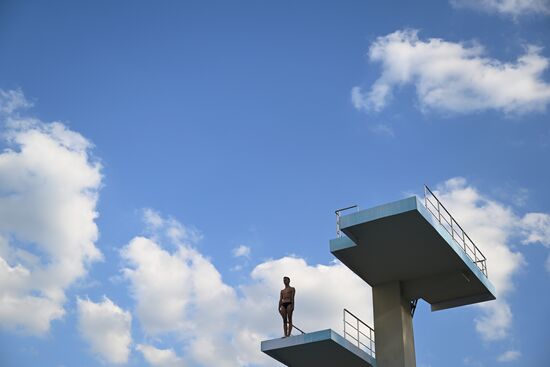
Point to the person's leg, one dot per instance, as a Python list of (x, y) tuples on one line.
[(284, 315), (290, 310)]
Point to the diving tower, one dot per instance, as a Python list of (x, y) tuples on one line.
[(405, 250)]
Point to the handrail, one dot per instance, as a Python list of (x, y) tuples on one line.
[(357, 333), (450, 224), (338, 215), (414, 302), (297, 328)]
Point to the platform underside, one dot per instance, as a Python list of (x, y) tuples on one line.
[(323, 348), (402, 241)]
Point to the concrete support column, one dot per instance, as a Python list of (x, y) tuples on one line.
[(393, 329)]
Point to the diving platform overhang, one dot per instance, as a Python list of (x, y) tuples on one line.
[(324, 348), (403, 241)]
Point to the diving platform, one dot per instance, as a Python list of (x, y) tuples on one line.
[(419, 245), (405, 250), (324, 348)]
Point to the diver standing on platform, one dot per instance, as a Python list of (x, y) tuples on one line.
[(286, 306)]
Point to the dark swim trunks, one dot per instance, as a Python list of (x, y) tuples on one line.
[(286, 304)]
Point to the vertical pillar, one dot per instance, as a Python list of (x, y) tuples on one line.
[(393, 329)]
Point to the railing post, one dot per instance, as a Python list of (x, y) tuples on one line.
[(372, 343), (338, 215), (358, 335), (426, 195), (344, 316), (337, 224)]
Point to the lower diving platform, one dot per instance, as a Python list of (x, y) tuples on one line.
[(324, 348)]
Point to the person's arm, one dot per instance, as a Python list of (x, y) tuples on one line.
[(280, 300), (293, 294)]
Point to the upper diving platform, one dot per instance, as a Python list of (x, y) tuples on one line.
[(418, 244), (324, 348)]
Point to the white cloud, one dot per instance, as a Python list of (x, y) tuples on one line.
[(156, 275), (536, 228), (106, 327), (454, 77), (382, 130), (13, 100), (490, 225), (182, 293), (152, 219), (509, 356), (316, 307), (160, 357), (512, 8), (215, 323), (48, 193), (220, 325), (493, 227), (169, 229), (242, 250), (496, 320)]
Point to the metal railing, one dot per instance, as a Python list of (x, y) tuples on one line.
[(445, 218), (414, 303), (359, 333), (297, 328), (339, 214)]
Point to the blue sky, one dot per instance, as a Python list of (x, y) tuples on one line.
[(165, 163)]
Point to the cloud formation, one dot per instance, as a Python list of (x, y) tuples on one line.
[(536, 228), (494, 227), (454, 77), (12, 101), (316, 307), (512, 8), (241, 251), (216, 323), (160, 357), (196, 304), (49, 185), (509, 356), (222, 325), (106, 327)]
